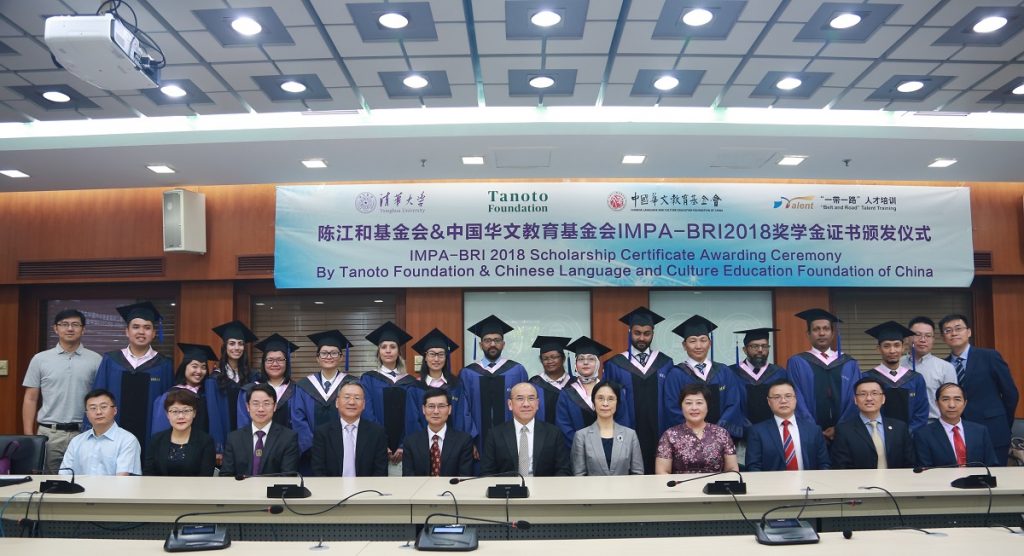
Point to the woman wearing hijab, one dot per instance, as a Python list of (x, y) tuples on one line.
[(576, 404)]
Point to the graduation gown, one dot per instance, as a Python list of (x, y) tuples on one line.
[(211, 418), (487, 394), (824, 392), (573, 414), (134, 390), (290, 413), (756, 409), (232, 391), (460, 417), (548, 398), (386, 404), (728, 396), (317, 403), (641, 405), (905, 399)]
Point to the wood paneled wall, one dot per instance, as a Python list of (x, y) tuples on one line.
[(1008, 326), (10, 385), (792, 336)]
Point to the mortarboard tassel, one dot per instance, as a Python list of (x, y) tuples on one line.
[(346, 359)]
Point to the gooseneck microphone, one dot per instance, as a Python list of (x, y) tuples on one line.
[(60, 486), (500, 490), (988, 480), (457, 537), (190, 538), (717, 487), (282, 490)]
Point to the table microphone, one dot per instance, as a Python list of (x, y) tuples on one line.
[(282, 490), (988, 480), (717, 487), (500, 491), (456, 537), (791, 531), (60, 486), (191, 538)]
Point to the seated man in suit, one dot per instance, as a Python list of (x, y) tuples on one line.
[(360, 450), (952, 441), (778, 445), (262, 447), (871, 441), (438, 450), (525, 444)]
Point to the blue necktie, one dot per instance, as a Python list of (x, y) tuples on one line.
[(961, 370)]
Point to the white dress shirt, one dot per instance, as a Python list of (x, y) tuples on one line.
[(794, 433)]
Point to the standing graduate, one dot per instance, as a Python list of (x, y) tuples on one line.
[(276, 370), (233, 370), (319, 389), (906, 393), (727, 396), (823, 377), (136, 375), (555, 378), (436, 372), (757, 374), (641, 371), (489, 380), (387, 387), (212, 414), (576, 403)]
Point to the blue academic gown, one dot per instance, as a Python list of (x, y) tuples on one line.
[(917, 397), (757, 392), (291, 412), (809, 376), (215, 405), (473, 377), (460, 417), (641, 406), (394, 418), (134, 408), (732, 396), (573, 413)]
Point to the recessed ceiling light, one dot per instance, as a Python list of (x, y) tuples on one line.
[(393, 20), (942, 163), (989, 24), (1018, 90), (472, 160), (788, 83), (259, 304), (160, 169), (541, 82), (415, 81), (792, 160), (318, 303), (174, 304), (545, 18), (909, 86), (634, 158), (844, 21), (697, 17), (14, 173), (378, 301), (173, 91), (292, 87), (315, 163), (666, 83), (246, 26), (56, 96)]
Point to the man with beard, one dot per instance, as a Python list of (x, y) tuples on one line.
[(905, 392), (757, 374), (489, 380)]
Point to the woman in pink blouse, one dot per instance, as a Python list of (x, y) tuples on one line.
[(695, 446)]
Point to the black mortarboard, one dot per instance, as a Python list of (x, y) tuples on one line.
[(584, 345), (330, 338), (234, 330), (276, 342), (695, 326), (388, 332), (490, 325), (144, 310), (551, 343), (641, 316), (888, 331), (754, 334), (435, 339), (197, 352), (812, 315)]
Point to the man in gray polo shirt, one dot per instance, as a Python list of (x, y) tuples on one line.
[(935, 371), (61, 376)]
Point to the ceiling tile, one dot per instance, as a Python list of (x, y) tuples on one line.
[(636, 39), (881, 40), (199, 75), (213, 52), (756, 68), (291, 12), (590, 69), (704, 96), (328, 71), (308, 44), (597, 35), (740, 40), (779, 41), (462, 96), (377, 99), (351, 45), (490, 39), (451, 40), (584, 94), (965, 75), (239, 76)]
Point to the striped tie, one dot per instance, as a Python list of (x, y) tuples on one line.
[(961, 370), (788, 448)]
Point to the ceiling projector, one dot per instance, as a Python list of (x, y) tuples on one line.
[(101, 51)]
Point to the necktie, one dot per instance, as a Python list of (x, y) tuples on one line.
[(642, 357), (961, 369), (348, 459), (788, 448), (327, 386), (524, 452), (876, 439), (435, 457), (257, 454), (959, 447), (700, 368)]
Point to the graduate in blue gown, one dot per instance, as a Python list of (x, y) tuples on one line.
[(387, 388), (727, 395), (576, 404), (436, 372), (823, 377), (318, 391), (641, 371), (276, 370), (192, 375), (906, 393), (137, 375), (233, 370), (555, 378), (489, 380), (757, 374)]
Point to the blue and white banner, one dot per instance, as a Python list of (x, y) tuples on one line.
[(621, 234)]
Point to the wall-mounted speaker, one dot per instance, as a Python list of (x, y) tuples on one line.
[(184, 221)]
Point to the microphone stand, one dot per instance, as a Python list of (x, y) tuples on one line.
[(191, 538), (457, 538), (988, 480), (60, 486)]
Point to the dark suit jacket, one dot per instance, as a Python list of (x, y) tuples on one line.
[(371, 450), (501, 450), (456, 454), (200, 456), (764, 446), (991, 396), (934, 450), (853, 448), (280, 451)]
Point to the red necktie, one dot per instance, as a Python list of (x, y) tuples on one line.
[(435, 457), (788, 448), (959, 447)]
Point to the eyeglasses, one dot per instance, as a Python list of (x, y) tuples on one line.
[(276, 361), (72, 325), (927, 336), (101, 407), (953, 329), (782, 397), (550, 358), (263, 404), (329, 354), (352, 398), (875, 394), (436, 354), (605, 399), (760, 347), (436, 406), (180, 412), (492, 341), (521, 399)]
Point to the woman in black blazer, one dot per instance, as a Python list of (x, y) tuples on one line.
[(181, 451)]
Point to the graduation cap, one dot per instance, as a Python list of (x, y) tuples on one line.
[(695, 326), (235, 330), (754, 334), (197, 352), (889, 331), (146, 311), (641, 316), (331, 338), (388, 332), (277, 342), (811, 315), (490, 325), (551, 343), (586, 346), (435, 339)]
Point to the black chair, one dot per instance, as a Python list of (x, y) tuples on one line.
[(29, 457)]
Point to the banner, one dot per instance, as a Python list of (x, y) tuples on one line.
[(621, 234)]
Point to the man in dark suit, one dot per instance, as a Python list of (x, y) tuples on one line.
[(525, 444), (985, 378), (262, 447), (868, 440), (350, 446), (951, 440), (778, 445), (438, 450)]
